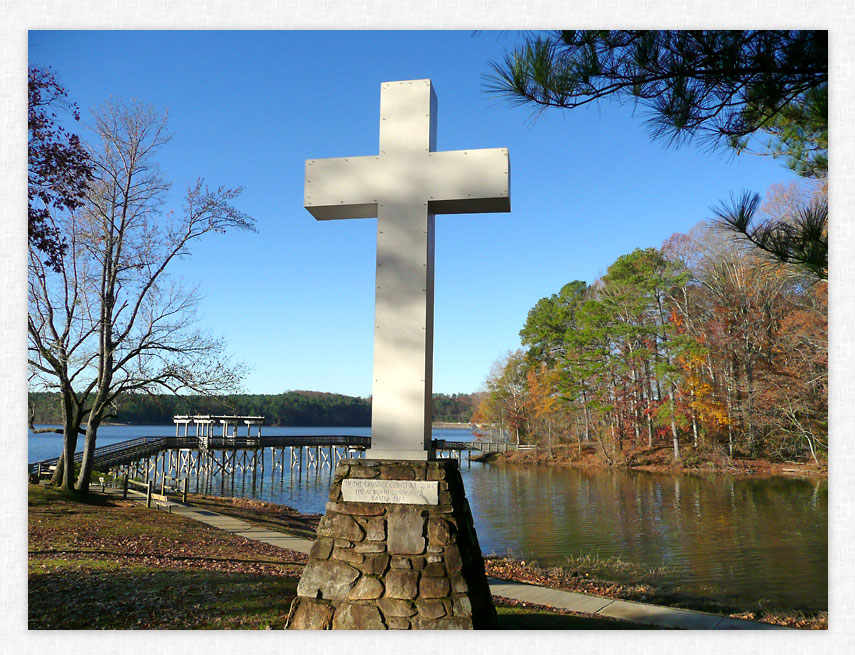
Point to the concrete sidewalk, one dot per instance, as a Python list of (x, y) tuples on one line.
[(666, 617)]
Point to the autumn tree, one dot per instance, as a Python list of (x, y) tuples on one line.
[(556, 342), (58, 166), (543, 399), (795, 394), (124, 325), (744, 301), (691, 315), (504, 403), (701, 342), (650, 279)]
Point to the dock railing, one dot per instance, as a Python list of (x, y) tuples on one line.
[(179, 487)]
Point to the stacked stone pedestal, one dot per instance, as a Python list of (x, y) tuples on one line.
[(395, 566)]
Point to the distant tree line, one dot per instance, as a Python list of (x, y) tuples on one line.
[(292, 408), (454, 408)]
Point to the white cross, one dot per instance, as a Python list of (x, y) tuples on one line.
[(404, 187)]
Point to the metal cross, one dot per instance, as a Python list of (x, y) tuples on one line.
[(404, 186)]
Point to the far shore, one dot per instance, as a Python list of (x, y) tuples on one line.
[(439, 425), (656, 460)]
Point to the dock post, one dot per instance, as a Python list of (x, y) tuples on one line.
[(125, 487), (148, 495)]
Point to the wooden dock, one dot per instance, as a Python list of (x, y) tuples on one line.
[(152, 458)]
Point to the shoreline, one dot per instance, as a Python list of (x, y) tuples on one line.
[(639, 585), (657, 460), (439, 425)]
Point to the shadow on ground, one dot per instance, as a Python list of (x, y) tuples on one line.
[(130, 598)]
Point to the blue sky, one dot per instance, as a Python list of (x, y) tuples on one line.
[(295, 300)]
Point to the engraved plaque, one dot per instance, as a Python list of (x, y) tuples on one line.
[(396, 492)]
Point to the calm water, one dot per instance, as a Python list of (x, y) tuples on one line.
[(763, 540)]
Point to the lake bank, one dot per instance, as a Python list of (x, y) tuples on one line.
[(103, 563), (606, 579), (747, 539), (657, 460)]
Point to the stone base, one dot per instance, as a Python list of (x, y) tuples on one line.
[(383, 566)]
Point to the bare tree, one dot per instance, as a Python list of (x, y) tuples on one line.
[(136, 325), (61, 347)]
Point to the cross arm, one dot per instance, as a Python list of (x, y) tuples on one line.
[(451, 182), (469, 181), (343, 187)]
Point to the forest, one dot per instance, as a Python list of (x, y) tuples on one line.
[(292, 408), (704, 345)]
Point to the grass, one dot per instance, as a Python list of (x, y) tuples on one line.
[(103, 564), (615, 568)]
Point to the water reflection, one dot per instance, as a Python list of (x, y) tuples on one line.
[(756, 539)]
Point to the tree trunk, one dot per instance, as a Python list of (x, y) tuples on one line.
[(587, 418), (694, 419), (58, 472), (695, 428), (728, 381), (649, 404), (549, 436), (86, 466), (749, 414), (674, 434), (64, 474), (614, 440), (96, 415)]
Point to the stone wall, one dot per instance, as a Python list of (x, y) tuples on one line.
[(389, 566)]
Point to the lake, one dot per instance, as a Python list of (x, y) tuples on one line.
[(759, 540)]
